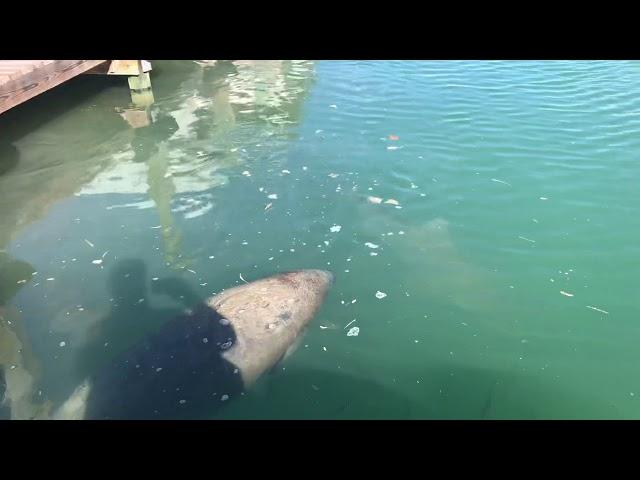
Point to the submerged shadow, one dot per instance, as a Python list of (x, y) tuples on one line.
[(145, 362), (9, 157), (472, 393), (313, 394), (20, 369)]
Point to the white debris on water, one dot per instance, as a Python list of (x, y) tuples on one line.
[(373, 254), (224, 397), (544, 198), (62, 344), (380, 294), (374, 200), (246, 173), (566, 294), (272, 196), (526, 239), (597, 309), (392, 201), (371, 245), (97, 261), (335, 228), (497, 180), (334, 175), (353, 332), (50, 279), (286, 172)]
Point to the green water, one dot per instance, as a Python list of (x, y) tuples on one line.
[(515, 181)]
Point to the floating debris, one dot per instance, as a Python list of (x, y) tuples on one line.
[(544, 198), (566, 294), (500, 181), (89, 243), (97, 261), (335, 228), (324, 348), (345, 327), (374, 200), (322, 327), (394, 137), (527, 239), (269, 205), (392, 201), (246, 173), (334, 175), (243, 279), (373, 254), (597, 309), (286, 172), (380, 294), (353, 332), (371, 245), (62, 344), (192, 271), (50, 279), (333, 106), (272, 196), (393, 147)]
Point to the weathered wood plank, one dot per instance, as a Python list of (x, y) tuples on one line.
[(122, 67), (25, 83)]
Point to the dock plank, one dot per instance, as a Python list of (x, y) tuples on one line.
[(21, 80)]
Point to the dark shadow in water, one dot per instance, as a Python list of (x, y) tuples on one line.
[(31, 115), (17, 358), (469, 394), (9, 157), (495, 394), (5, 412), (312, 394), (164, 363)]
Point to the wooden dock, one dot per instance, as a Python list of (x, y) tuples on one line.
[(21, 80)]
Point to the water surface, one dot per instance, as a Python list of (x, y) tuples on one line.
[(513, 182)]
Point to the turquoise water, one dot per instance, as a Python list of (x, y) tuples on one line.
[(507, 255)]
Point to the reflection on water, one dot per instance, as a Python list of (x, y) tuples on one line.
[(90, 143)]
